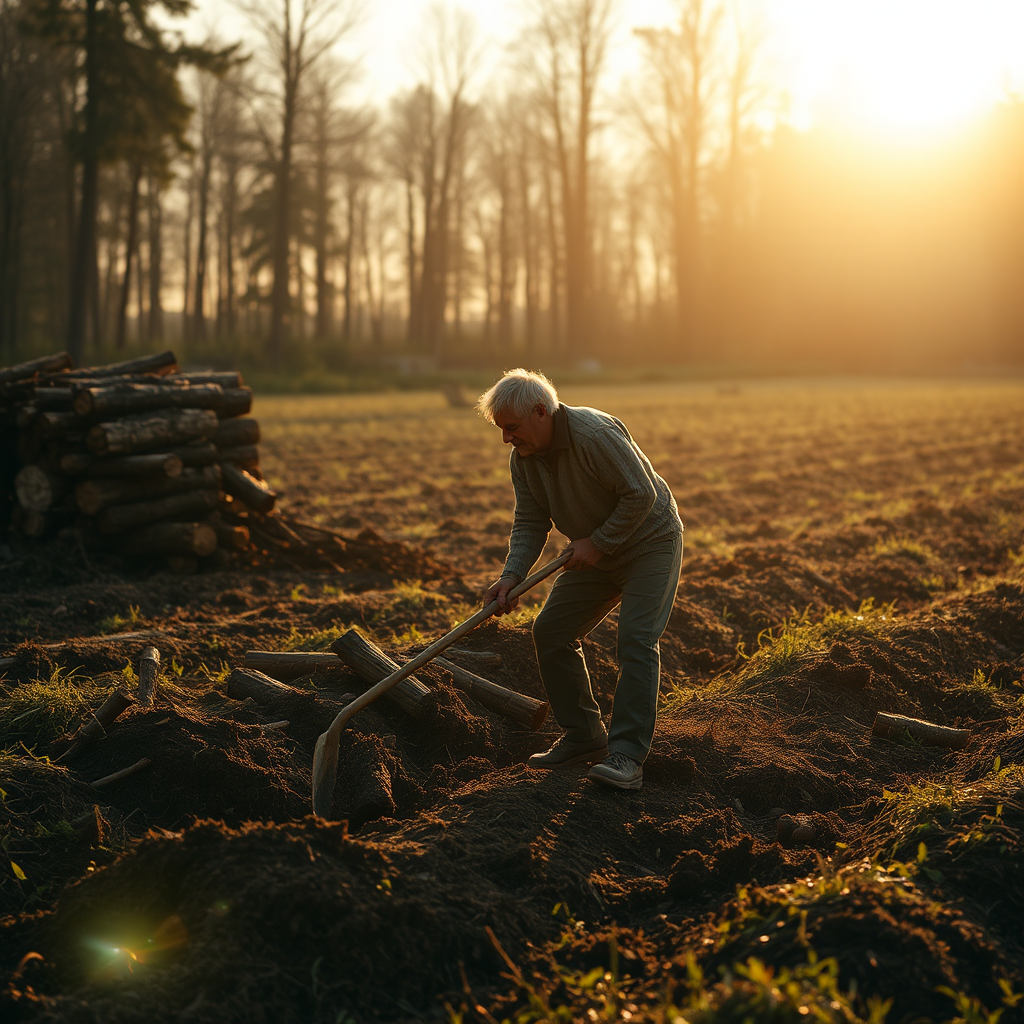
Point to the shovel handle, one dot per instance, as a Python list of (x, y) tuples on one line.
[(436, 648)]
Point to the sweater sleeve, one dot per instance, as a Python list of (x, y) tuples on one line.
[(530, 527), (615, 461)]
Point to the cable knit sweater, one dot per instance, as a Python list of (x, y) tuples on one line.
[(592, 482)]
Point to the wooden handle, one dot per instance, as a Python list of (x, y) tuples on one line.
[(438, 646)]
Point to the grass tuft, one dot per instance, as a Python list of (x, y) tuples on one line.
[(41, 710)]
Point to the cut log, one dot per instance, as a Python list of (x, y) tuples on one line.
[(128, 399), (52, 424), (371, 664), (288, 665), (517, 706), (157, 464), (92, 496), (225, 378), (229, 537), (202, 454), (161, 363), (172, 539), (899, 726), (103, 719), (108, 780), (38, 489), (149, 671), (234, 402), (231, 433), (53, 399), (145, 433), (127, 517), (244, 487), (46, 364), (247, 682), (245, 456)]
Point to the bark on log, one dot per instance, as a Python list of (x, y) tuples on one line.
[(225, 378), (245, 456), (155, 430), (517, 706), (127, 517), (371, 664), (128, 399), (231, 433), (149, 671), (288, 665), (50, 424), (104, 717), (203, 454), (92, 496), (482, 659), (46, 364), (156, 464), (247, 682), (253, 492), (38, 489), (161, 363), (53, 399), (932, 735), (172, 539), (234, 402)]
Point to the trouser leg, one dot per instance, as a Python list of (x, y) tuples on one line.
[(578, 601), (648, 592)]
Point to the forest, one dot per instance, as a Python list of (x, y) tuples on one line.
[(237, 199)]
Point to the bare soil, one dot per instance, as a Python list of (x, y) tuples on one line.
[(851, 548)]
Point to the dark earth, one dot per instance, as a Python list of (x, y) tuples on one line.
[(851, 549)]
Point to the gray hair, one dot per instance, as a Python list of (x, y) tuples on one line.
[(519, 392)]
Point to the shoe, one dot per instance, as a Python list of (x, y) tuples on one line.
[(619, 771), (566, 751)]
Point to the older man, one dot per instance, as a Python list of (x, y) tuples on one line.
[(580, 469)]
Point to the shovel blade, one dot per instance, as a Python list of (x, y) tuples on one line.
[(325, 774)]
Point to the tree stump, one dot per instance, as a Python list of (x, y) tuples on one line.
[(149, 671)]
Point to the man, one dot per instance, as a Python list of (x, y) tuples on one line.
[(579, 468)]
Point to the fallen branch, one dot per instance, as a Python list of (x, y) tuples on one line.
[(123, 773), (897, 727)]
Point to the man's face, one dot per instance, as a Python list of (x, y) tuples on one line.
[(527, 434)]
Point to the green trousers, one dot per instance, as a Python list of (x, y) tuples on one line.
[(578, 601)]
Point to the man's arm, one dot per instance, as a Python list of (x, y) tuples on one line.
[(530, 528)]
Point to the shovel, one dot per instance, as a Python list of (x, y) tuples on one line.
[(325, 757)]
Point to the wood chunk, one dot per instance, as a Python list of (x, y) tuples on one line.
[(245, 456), (92, 496), (165, 464), (287, 665), (46, 364), (127, 399), (899, 726), (104, 718), (153, 430), (517, 706), (149, 671), (371, 664), (234, 402), (253, 492), (202, 454), (248, 682), (231, 433), (38, 489), (172, 539)]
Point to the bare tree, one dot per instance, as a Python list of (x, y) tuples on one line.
[(296, 36), (565, 52)]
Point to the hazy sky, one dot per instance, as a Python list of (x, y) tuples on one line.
[(904, 66)]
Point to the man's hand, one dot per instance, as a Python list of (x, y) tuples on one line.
[(498, 591), (584, 555)]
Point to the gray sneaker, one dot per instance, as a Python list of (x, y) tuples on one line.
[(619, 771), (566, 751)]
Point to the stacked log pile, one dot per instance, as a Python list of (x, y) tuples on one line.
[(140, 458)]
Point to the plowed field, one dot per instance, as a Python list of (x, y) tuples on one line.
[(851, 548)]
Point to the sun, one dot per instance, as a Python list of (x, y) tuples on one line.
[(905, 67)]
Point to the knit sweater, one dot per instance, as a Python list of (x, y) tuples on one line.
[(592, 482)]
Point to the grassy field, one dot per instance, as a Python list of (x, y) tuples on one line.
[(852, 547)]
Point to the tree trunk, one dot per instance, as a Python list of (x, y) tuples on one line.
[(899, 726)]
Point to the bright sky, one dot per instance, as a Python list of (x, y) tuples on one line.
[(894, 66)]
